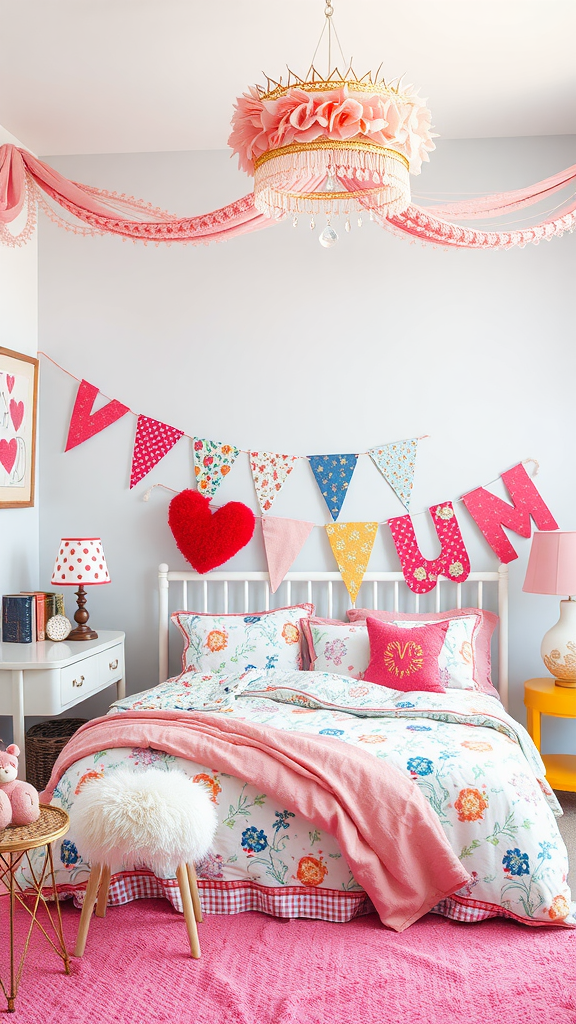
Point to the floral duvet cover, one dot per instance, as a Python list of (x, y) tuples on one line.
[(477, 767)]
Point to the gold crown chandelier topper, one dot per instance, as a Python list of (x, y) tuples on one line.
[(332, 144)]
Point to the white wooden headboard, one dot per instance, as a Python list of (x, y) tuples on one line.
[(246, 592)]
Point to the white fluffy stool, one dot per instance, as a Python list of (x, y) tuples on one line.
[(149, 818)]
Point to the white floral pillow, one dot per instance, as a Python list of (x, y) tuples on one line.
[(237, 642), (338, 647), (345, 648)]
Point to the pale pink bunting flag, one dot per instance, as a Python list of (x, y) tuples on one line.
[(269, 472), (152, 442), (283, 541)]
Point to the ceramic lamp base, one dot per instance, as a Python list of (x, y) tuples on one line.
[(558, 648)]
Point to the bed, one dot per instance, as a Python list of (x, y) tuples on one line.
[(477, 768)]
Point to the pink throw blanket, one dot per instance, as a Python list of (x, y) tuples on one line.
[(390, 836)]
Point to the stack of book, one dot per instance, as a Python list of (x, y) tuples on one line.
[(24, 615)]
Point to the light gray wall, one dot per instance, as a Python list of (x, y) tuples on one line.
[(271, 342), (18, 331)]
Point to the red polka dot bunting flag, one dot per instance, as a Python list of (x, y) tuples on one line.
[(152, 442)]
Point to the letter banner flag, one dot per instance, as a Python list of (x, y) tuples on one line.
[(269, 472), (283, 541), (152, 442), (421, 574), (352, 545), (490, 513), (333, 475), (212, 462), (84, 423), (397, 462)]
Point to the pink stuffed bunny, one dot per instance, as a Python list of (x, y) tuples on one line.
[(19, 804)]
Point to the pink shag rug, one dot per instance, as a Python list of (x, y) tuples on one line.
[(259, 970)]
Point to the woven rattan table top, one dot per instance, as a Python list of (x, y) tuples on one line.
[(52, 823)]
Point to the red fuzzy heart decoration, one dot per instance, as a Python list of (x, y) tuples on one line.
[(208, 539)]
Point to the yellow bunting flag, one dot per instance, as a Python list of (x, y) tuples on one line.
[(352, 545)]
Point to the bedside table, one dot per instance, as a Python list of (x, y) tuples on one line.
[(543, 697), (46, 678)]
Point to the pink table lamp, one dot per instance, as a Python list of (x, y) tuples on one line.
[(80, 562), (552, 570)]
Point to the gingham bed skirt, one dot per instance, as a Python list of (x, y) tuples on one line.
[(237, 897)]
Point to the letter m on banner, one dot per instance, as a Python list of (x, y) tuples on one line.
[(491, 513)]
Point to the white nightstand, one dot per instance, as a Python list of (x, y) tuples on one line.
[(47, 678)]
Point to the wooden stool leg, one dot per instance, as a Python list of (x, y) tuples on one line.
[(103, 893), (184, 885), (87, 907), (194, 891)]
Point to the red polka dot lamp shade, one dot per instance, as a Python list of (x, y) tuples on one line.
[(80, 562)]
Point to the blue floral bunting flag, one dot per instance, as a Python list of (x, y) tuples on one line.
[(396, 462), (333, 475)]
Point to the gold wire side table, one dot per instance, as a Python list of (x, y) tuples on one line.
[(15, 844)]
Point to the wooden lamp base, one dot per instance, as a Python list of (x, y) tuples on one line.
[(82, 630)]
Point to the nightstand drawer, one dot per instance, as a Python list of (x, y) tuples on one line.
[(111, 664), (78, 680)]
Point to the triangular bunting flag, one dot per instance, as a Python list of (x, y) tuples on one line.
[(269, 472), (212, 462), (283, 541), (152, 442), (396, 462), (84, 423), (333, 475), (352, 545)]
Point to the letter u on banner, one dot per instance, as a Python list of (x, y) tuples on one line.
[(421, 574), (490, 513)]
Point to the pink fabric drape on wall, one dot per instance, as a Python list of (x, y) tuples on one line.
[(23, 176)]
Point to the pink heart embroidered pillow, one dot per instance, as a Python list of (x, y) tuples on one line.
[(405, 659)]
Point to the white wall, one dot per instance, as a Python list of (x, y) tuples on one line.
[(271, 342), (18, 331)]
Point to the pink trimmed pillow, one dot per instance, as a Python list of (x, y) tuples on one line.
[(336, 646), (405, 659), (481, 638), (238, 641)]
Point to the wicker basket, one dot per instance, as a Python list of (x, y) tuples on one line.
[(44, 742)]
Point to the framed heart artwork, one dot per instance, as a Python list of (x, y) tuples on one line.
[(18, 407)]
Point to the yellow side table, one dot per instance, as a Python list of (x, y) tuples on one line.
[(543, 697), (15, 842)]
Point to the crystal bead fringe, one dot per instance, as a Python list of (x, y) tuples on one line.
[(282, 184)]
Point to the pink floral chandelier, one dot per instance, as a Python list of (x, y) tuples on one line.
[(334, 144), (318, 145)]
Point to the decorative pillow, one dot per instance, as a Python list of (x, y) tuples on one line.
[(237, 642), (335, 646), (405, 659), (465, 660)]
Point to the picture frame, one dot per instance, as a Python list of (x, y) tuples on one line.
[(18, 416)]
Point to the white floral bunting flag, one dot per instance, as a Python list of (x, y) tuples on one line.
[(269, 472), (396, 462), (352, 545), (212, 462)]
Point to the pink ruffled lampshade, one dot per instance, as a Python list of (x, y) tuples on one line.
[(552, 564)]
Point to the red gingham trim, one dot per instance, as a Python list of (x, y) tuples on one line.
[(219, 897)]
